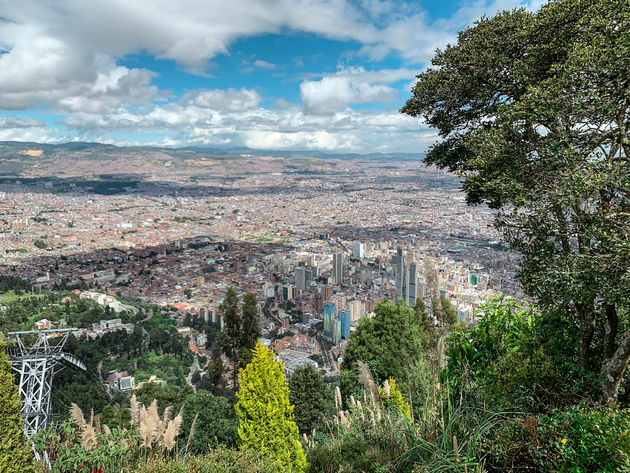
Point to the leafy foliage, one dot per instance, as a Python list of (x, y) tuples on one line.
[(578, 439), (14, 454), (266, 421), (217, 461), (313, 400), (390, 344), (533, 111), (505, 355), (215, 423)]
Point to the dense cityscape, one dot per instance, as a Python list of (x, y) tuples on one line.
[(342, 232)]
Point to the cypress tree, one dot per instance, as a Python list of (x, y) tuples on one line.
[(232, 326), (250, 332), (266, 421), (14, 454), (311, 397)]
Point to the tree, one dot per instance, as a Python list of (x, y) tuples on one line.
[(266, 421), (537, 126), (313, 400), (230, 337), (445, 312), (165, 395), (422, 314), (390, 343), (14, 454), (215, 423), (250, 333), (215, 373)]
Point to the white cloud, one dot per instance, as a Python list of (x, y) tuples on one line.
[(264, 64), (355, 85), (332, 94), (185, 123), (15, 122), (65, 55), (230, 100)]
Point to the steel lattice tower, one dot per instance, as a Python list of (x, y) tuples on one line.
[(36, 366)]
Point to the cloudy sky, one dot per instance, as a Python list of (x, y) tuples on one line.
[(326, 75)]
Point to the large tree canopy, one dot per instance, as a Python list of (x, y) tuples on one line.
[(390, 343), (534, 113)]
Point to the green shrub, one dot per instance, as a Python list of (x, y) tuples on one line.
[(214, 419), (217, 461), (580, 439), (583, 439), (14, 454), (511, 358)]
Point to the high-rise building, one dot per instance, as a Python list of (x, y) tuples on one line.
[(400, 272), (344, 318), (412, 291), (357, 310), (329, 317), (338, 268), (287, 293), (357, 249), (300, 277), (336, 331), (310, 274)]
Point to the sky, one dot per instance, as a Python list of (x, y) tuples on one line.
[(320, 75)]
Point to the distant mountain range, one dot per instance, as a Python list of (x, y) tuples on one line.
[(92, 160), (7, 147)]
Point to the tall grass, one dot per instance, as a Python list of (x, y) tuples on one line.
[(446, 434)]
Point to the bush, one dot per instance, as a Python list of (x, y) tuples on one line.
[(217, 461), (580, 439), (583, 439), (14, 454), (215, 423), (508, 355)]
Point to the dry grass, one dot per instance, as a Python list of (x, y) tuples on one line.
[(156, 434)]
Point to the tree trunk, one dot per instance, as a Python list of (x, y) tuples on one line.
[(587, 328), (614, 369), (612, 325)]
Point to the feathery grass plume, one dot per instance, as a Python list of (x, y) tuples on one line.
[(134, 409), (172, 431), (191, 433), (372, 417), (387, 388), (344, 420), (106, 430), (360, 409), (168, 414), (77, 415), (97, 425), (147, 427), (441, 348), (152, 413), (338, 402), (88, 437), (368, 382)]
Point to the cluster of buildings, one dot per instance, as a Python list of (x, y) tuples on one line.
[(320, 247)]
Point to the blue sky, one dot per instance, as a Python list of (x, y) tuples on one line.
[(325, 75)]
